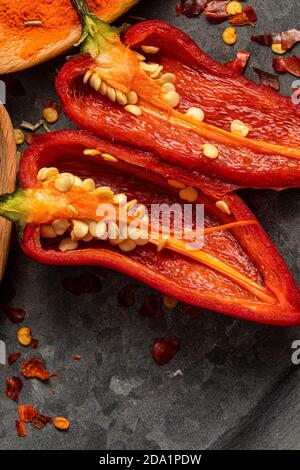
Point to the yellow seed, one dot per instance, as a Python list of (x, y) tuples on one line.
[(229, 36), (150, 67), (109, 158), (166, 87), (72, 177), (87, 238), (157, 72), (169, 302), (210, 151), (47, 173), (113, 231), (172, 98), (131, 204), (277, 49), (239, 128), (119, 199), (143, 240), (176, 184), (72, 210), (150, 49), (19, 136), (60, 226), (127, 245), (61, 423), (100, 230), (121, 98), (87, 76), (133, 109), (103, 191), (68, 244), (24, 336), (63, 183), (103, 88), (77, 181), (80, 229), (47, 231), (162, 244), (111, 93), (233, 8), (167, 78), (140, 56), (196, 113), (223, 207), (189, 194), (88, 185), (132, 97), (95, 81), (50, 115), (92, 152)]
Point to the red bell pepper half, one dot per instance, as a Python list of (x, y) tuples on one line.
[(267, 157), (237, 271)]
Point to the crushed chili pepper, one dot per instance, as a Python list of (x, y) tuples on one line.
[(13, 387), (164, 349), (152, 306), (239, 64), (40, 421), (77, 357), (190, 7), (248, 17), (27, 413), (34, 368), (15, 315), (287, 39), (126, 295), (21, 428), (87, 283), (34, 343), (215, 11), (30, 138), (13, 357), (289, 64), (267, 78)]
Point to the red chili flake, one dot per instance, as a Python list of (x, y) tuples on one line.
[(40, 421), (34, 343), (13, 357), (13, 387), (30, 138), (152, 306), (126, 295), (15, 315), (49, 103), (13, 85), (215, 11), (27, 413), (87, 283), (266, 39), (240, 62), (34, 368), (190, 7), (248, 17), (287, 64), (267, 78), (21, 428), (287, 39), (164, 349), (77, 357)]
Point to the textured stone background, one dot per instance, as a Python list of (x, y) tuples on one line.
[(238, 388)]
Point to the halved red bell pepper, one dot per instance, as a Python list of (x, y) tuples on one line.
[(268, 157), (237, 272)]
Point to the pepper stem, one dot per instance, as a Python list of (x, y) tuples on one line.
[(82, 9)]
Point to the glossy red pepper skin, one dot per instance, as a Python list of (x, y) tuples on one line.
[(248, 249), (222, 93)]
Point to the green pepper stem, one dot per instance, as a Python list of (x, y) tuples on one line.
[(82, 9)]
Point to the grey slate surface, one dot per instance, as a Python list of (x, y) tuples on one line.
[(238, 388)]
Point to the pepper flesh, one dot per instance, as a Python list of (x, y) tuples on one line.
[(267, 158), (237, 272)]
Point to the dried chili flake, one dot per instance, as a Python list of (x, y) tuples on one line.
[(215, 11), (152, 306), (190, 7), (240, 62), (34, 368), (13, 357), (87, 283), (30, 138), (287, 39), (267, 78), (21, 428), (287, 64), (248, 17), (40, 421), (13, 387), (77, 357), (15, 315), (126, 295), (34, 343), (265, 39), (164, 349), (27, 413)]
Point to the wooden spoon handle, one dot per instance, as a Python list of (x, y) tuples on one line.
[(8, 170)]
